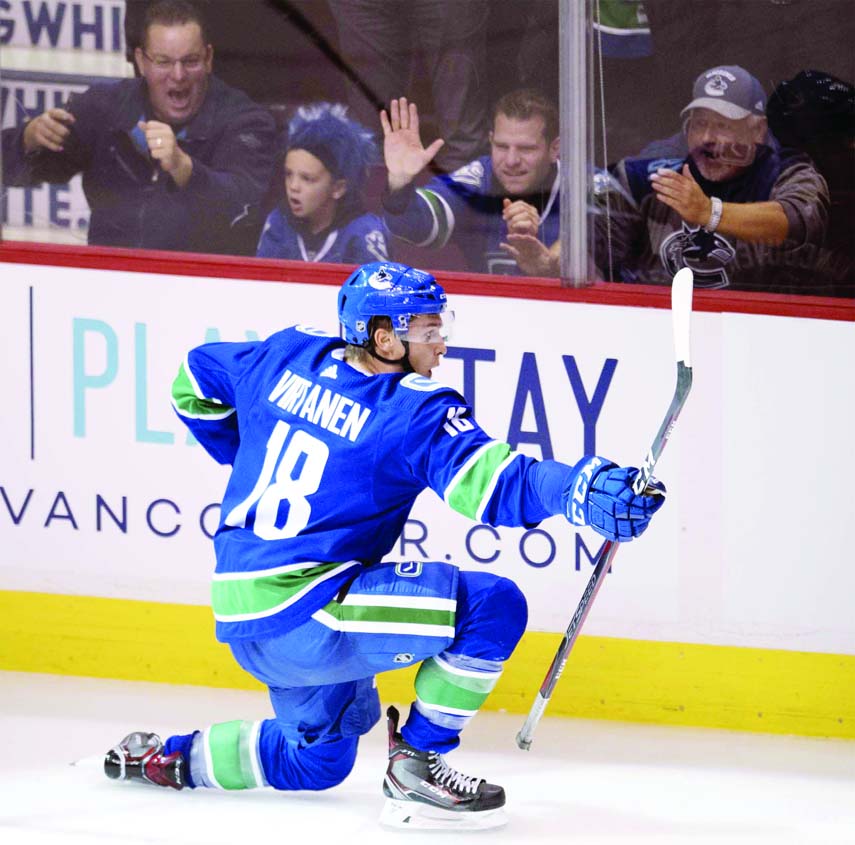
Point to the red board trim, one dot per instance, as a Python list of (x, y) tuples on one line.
[(271, 270)]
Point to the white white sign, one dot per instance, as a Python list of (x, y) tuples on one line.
[(103, 493), (82, 25), (44, 212)]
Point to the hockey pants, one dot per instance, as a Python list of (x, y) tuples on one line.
[(460, 626)]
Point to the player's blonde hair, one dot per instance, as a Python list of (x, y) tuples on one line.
[(361, 353)]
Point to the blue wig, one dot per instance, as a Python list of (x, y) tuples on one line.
[(345, 147)]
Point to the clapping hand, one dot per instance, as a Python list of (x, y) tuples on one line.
[(533, 257), (681, 192), (520, 217)]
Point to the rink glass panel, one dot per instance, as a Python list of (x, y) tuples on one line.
[(639, 62)]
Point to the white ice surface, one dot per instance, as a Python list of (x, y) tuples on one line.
[(582, 782)]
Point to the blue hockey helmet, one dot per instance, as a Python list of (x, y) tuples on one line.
[(388, 289)]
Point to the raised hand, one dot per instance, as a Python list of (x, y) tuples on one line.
[(48, 131), (403, 151)]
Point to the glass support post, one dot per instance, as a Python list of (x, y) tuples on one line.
[(573, 115)]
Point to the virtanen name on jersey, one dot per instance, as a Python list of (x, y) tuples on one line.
[(319, 405)]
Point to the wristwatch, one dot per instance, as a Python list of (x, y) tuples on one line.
[(715, 215)]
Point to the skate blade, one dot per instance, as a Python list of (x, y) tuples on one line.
[(414, 815)]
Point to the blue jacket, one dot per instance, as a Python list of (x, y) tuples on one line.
[(359, 240), (133, 202), (465, 208)]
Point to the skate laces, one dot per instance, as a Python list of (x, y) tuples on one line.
[(141, 745), (451, 778)]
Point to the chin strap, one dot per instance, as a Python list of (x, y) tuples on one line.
[(404, 360)]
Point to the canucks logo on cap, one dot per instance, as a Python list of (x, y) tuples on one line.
[(717, 80)]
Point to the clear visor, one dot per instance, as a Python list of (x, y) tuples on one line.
[(426, 328)]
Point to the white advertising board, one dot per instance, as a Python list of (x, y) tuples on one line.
[(102, 493), (57, 37)]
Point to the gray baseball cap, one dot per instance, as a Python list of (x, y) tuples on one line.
[(729, 90)]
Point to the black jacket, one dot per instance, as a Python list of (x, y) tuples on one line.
[(133, 202)]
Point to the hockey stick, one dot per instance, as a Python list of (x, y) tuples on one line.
[(681, 309)]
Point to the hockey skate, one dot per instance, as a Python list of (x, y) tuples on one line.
[(139, 756), (423, 791)]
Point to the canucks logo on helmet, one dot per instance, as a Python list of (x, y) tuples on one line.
[(380, 279)]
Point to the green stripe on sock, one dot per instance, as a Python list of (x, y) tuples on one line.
[(246, 748), (439, 688), (467, 494), (224, 746)]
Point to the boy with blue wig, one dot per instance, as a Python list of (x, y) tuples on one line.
[(321, 216)]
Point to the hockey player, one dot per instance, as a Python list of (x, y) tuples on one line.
[(331, 441), (322, 216)]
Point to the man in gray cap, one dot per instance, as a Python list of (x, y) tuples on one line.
[(736, 210), (724, 123)]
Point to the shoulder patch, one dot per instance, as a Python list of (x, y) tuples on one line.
[(471, 174), (375, 243), (423, 385), (675, 164), (312, 331)]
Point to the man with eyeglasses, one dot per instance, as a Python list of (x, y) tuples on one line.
[(737, 209), (174, 159)]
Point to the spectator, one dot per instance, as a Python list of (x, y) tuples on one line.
[(321, 216), (737, 211), (174, 159), (382, 42), (814, 112), (514, 189)]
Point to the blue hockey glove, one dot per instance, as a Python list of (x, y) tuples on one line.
[(600, 495)]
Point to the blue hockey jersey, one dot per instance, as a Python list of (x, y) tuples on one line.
[(465, 207), (360, 240), (327, 463)]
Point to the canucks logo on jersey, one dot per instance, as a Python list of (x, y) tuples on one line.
[(707, 254)]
